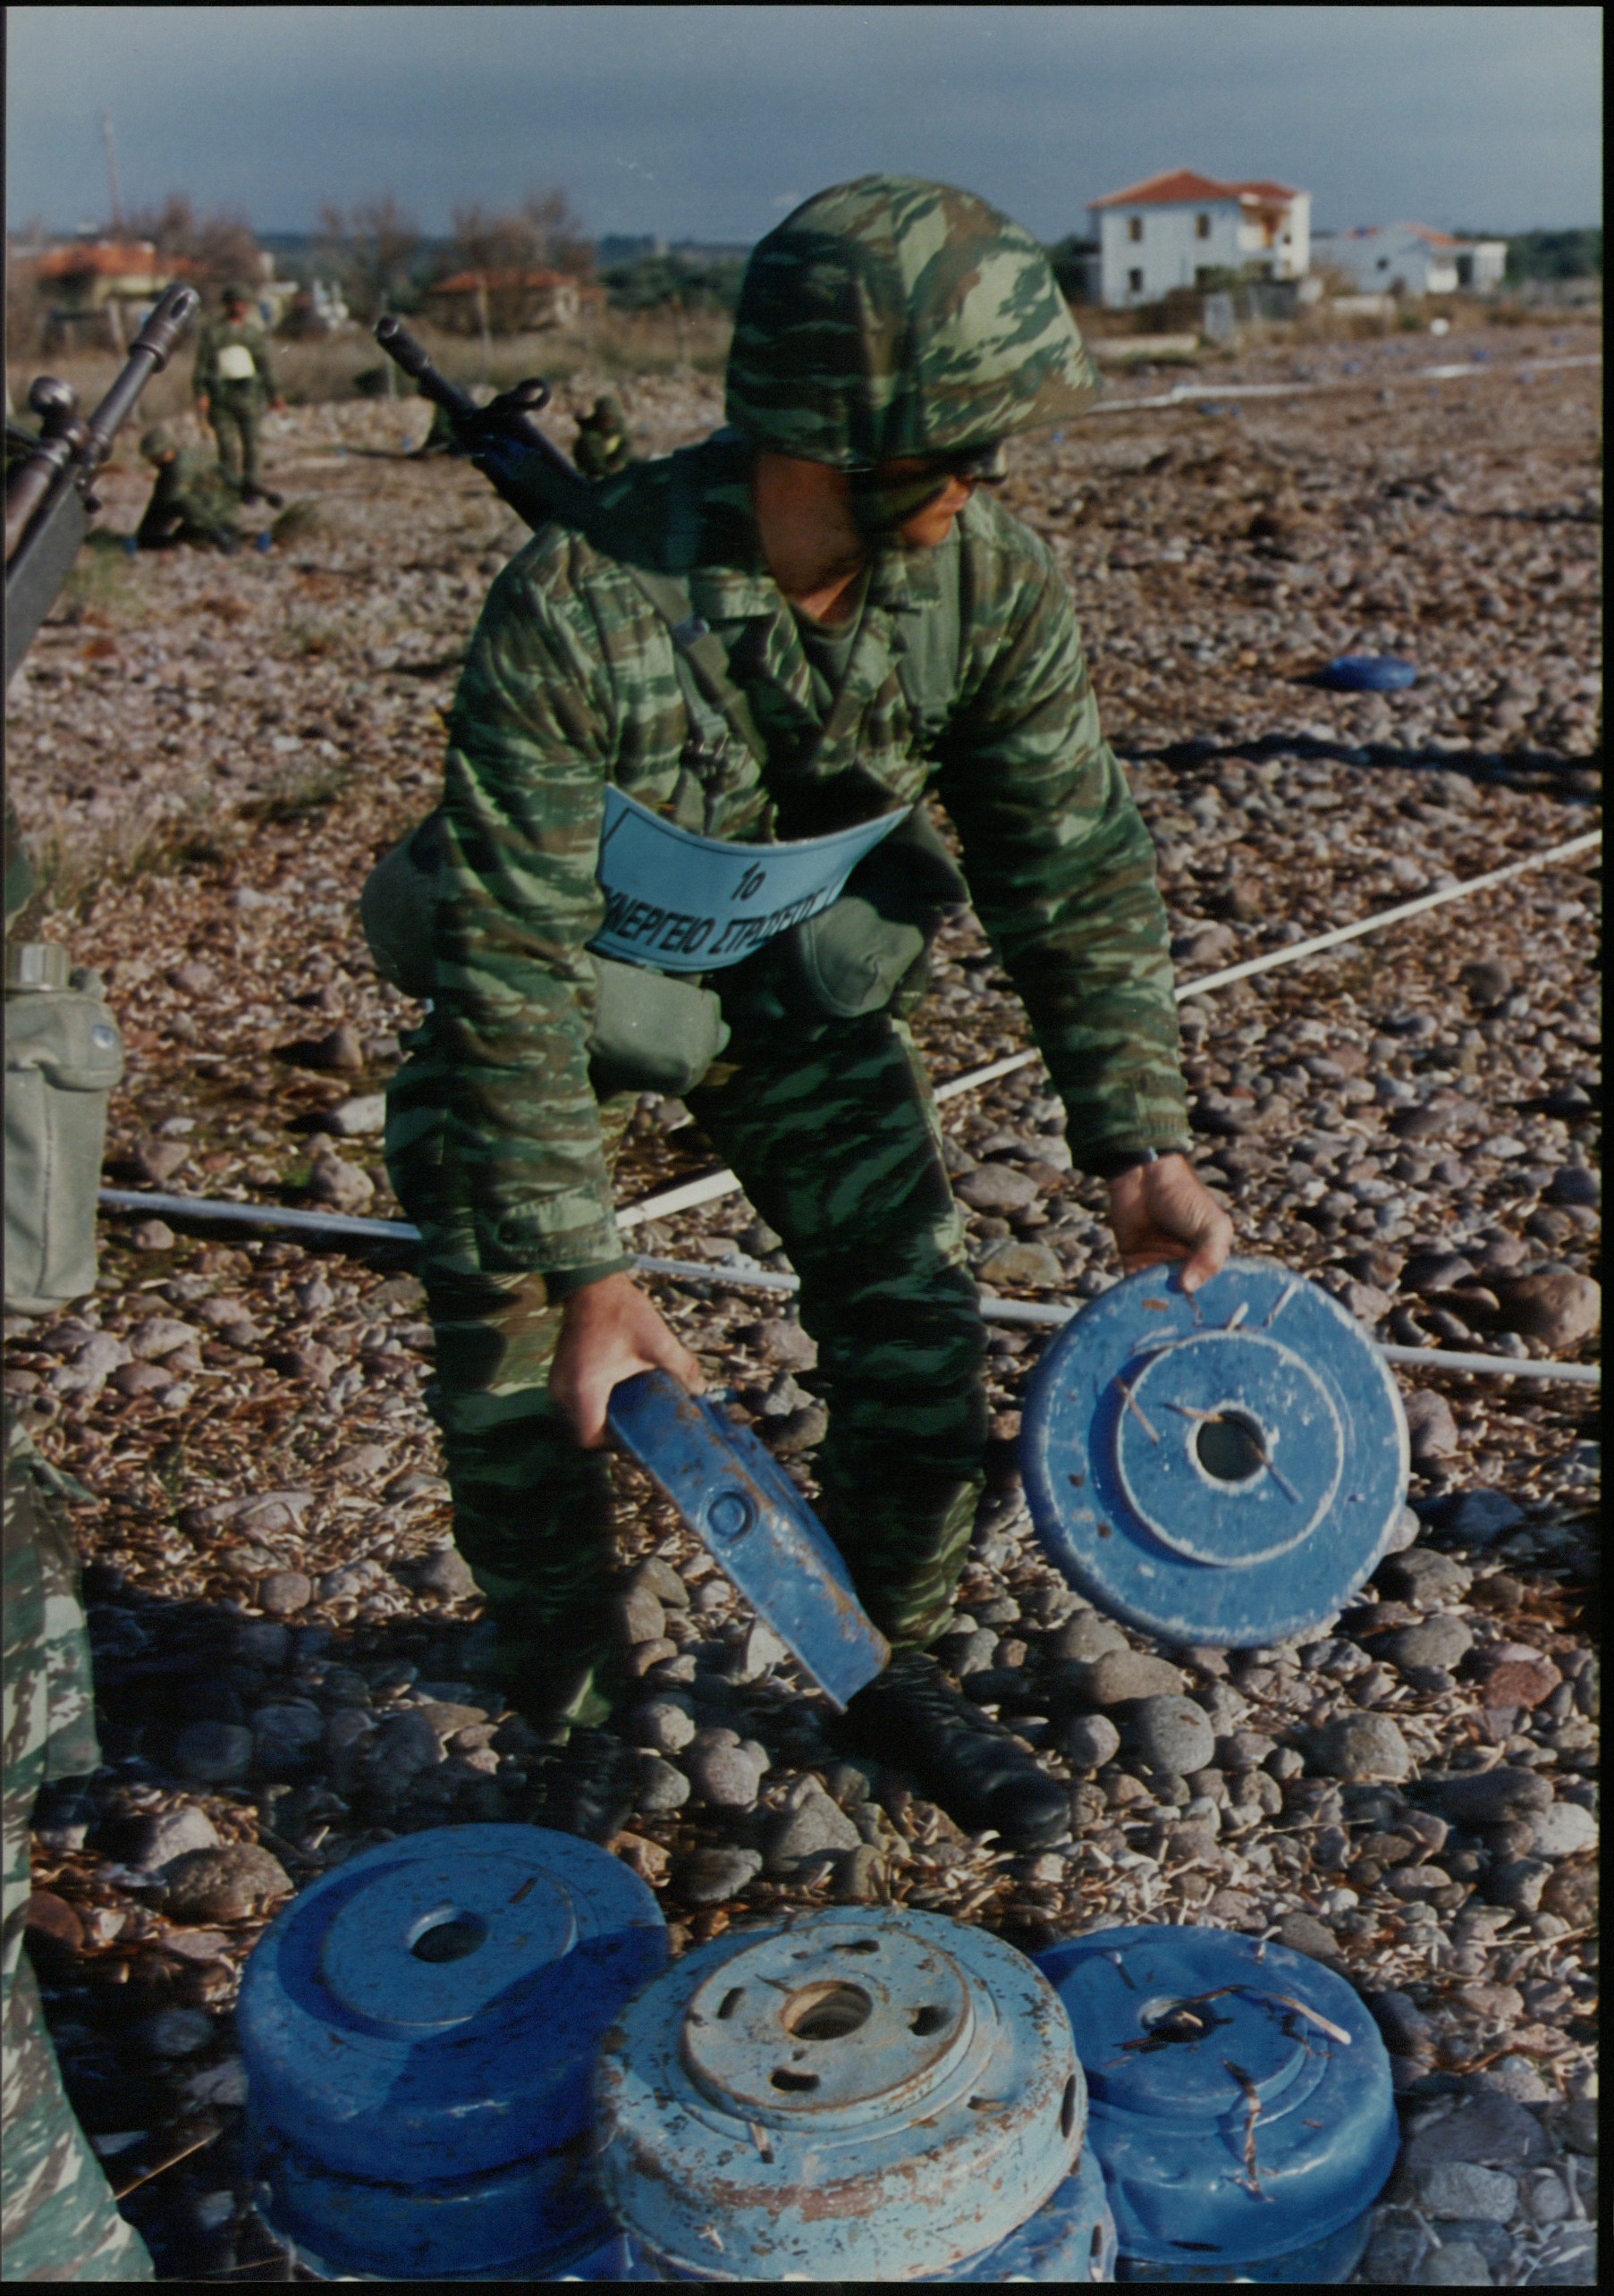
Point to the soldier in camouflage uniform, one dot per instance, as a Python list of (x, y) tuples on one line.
[(603, 444), (888, 632), (231, 381), (192, 502), (57, 2217)]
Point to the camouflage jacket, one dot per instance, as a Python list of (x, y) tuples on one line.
[(569, 684), (191, 490), (205, 380)]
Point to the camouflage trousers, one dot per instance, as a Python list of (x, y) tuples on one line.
[(833, 1135), (235, 412), (59, 2220)]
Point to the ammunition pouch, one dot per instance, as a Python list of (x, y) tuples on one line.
[(652, 1032), (866, 952), (64, 1055)]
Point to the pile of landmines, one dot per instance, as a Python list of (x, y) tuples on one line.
[(470, 2058)]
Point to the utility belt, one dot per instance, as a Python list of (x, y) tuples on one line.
[(817, 929)]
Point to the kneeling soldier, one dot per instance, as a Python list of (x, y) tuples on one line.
[(804, 625), (192, 502)]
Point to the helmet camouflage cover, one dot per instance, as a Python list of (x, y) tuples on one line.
[(157, 439), (894, 317)]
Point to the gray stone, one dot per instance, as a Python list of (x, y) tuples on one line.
[(446, 1573), (1406, 2028), (1402, 1532), (1457, 2264), (213, 1753), (282, 1593), (1032, 1265), (1442, 1641), (1393, 2251), (1303, 1933), (799, 1430), (1425, 1576), (286, 1738), (720, 1771), (663, 1583), (1088, 1741), (758, 1651), (1121, 1675), (1481, 1516), (1490, 1797), (1432, 1430), (996, 1187), (1170, 1734), (813, 1825), (1359, 1746), (1574, 1184), (638, 1615), (225, 1884), (1556, 1308), (447, 1716), (1563, 1830), (1518, 1884), (1487, 2128), (779, 1339), (1462, 2188), (263, 1641), (1516, 2076), (860, 1876), (175, 2033), (170, 1835), (661, 1786), (401, 1746), (1085, 1637), (665, 1725), (711, 1876)]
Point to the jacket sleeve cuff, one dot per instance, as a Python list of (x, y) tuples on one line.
[(560, 1283)]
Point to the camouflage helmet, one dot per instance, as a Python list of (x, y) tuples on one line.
[(158, 441), (233, 294), (608, 412), (894, 317)]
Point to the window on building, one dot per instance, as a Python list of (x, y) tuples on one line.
[(1202, 227), (1135, 283), (1135, 227), (1384, 263)]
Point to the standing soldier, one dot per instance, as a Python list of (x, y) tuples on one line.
[(231, 381), (802, 626), (58, 2220), (603, 443)]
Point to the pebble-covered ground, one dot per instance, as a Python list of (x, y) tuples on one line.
[(211, 753)]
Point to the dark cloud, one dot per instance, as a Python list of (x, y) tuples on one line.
[(710, 121)]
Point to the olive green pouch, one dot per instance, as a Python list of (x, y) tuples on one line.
[(651, 1032), (64, 1055), (853, 956)]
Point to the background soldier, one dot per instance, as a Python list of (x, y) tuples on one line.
[(192, 502), (603, 443), (886, 631), (59, 2220), (231, 382)]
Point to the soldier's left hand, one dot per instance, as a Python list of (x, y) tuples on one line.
[(277, 406), (1163, 1211)]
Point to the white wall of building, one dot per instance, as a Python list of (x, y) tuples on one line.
[(1145, 250), (1379, 261)]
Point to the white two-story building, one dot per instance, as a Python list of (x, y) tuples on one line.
[(1412, 260), (1185, 230)]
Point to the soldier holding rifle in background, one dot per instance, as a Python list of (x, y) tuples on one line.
[(231, 383)]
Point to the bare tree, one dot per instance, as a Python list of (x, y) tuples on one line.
[(216, 248), (506, 250), (372, 247)]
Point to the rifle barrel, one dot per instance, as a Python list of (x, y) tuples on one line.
[(148, 354)]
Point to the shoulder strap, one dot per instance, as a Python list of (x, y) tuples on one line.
[(699, 658)]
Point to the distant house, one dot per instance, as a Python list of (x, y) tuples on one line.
[(99, 290), (1185, 230), (506, 303), (1412, 260)]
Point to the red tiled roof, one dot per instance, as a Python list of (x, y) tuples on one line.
[(1180, 185), (1435, 238), (110, 257)]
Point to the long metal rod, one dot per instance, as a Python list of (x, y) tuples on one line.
[(1182, 394), (744, 1279), (711, 1184)]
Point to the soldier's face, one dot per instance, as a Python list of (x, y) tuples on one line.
[(929, 527)]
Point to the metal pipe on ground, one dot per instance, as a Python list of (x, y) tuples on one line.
[(340, 1225)]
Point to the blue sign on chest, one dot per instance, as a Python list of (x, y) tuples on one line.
[(690, 904)]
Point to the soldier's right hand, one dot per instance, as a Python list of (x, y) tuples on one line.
[(609, 1332), (202, 404)]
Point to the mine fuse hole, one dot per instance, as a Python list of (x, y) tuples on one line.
[(826, 2012), (731, 2000), (794, 2081), (449, 1937), (1231, 1447), (928, 2020), (1067, 2107)]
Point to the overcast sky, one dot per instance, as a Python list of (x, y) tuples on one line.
[(710, 122)]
